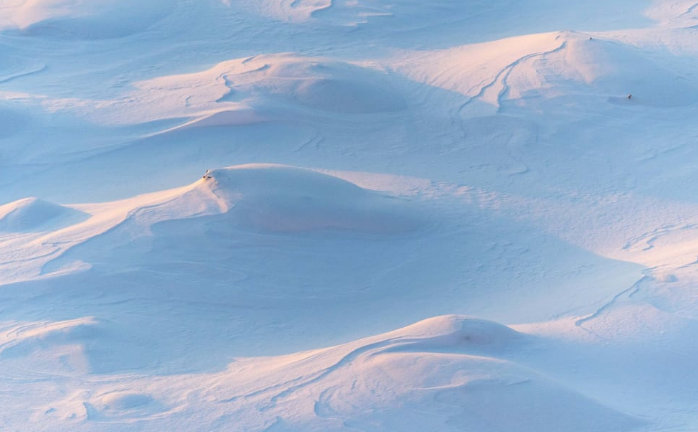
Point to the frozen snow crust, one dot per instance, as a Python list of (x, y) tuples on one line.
[(329, 215)]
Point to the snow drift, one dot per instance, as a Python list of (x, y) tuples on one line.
[(467, 158), (258, 88), (447, 372), (287, 199), (551, 66)]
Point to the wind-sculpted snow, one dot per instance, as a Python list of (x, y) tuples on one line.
[(447, 372), (201, 243), (254, 89), (214, 215), (278, 198), (560, 66), (601, 68)]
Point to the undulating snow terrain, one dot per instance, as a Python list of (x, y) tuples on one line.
[(348, 215)]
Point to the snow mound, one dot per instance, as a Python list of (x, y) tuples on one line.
[(315, 83), (606, 68), (84, 19), (432, 364), (378, 384), (548, 66), (248, 90), (287, 199), (33, 214)]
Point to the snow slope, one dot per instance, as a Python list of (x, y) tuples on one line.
[(348, 215)]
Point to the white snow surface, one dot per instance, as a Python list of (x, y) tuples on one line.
[(348, 215)]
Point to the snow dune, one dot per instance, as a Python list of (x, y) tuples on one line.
[(279, 198), (201, 243), (254, 89), (561, 65), (446, 372), (509, 184)]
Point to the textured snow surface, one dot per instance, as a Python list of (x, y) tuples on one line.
[(348, 215)]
